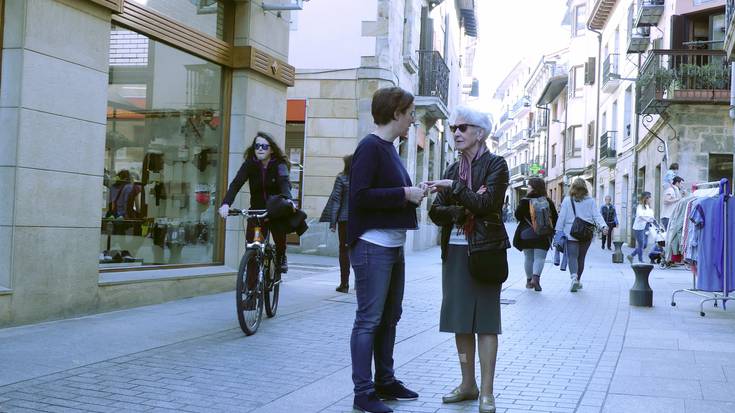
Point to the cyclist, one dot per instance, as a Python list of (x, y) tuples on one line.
[(266, 169)]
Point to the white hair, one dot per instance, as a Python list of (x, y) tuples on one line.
[(474, 117)]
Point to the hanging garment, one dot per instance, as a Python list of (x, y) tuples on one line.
[(708, 215)]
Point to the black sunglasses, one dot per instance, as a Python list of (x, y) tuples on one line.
[(263, 146), (462, 127)]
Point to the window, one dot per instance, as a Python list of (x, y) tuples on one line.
[(162, 155), (577, 81), (578, 25), (720, 166), (553, 155), (574, 141), (206, 16)]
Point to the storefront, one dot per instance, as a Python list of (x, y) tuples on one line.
[(126, 121)]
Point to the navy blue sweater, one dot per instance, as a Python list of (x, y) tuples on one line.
[(377, 199)]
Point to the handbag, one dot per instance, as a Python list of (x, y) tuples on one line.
[(581, 229), (489, 266), (528, 234)]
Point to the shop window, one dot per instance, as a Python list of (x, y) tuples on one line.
[(206, 16), (162, 156)]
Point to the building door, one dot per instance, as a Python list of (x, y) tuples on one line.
[(294, 151)]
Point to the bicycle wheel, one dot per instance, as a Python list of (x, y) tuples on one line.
[(249, 303), (272, 286)]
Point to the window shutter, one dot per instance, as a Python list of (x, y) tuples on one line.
[(591, 134), (589, 71)]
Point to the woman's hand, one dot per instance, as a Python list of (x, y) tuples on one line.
[(434, 186), (414, 194), (224, 211)]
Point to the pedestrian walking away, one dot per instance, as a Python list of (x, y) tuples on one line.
[(611, 219), (335, 212), (472, 187), (578, 210), (537, 216), (643, 219), (382, 207)]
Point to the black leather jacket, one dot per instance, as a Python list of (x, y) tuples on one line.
[(448, 209)]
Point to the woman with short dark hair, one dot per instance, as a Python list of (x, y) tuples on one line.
[(335, 212), (535, 247), (382, 208)]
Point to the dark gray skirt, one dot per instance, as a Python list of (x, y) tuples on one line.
[(467, 306)]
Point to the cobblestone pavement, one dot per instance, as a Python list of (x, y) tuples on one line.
[(560, 352)]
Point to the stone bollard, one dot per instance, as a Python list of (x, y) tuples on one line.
[(617, 256), (641, 294)]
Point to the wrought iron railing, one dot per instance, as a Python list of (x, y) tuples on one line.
[(433, 75), (682, 75), (608, 145), (505, 116), (524, 101)]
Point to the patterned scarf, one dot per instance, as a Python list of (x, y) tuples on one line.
[(465, 176)]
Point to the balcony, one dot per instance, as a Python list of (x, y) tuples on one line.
[(433, 84), (608, 153), (523, 102), (610, 73), (730, 27), (649, 13), (682, 76), (639, 39), (503, 148), (505, 117), (519, 138), (519, 171)]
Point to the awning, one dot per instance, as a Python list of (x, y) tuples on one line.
[(553, 87)]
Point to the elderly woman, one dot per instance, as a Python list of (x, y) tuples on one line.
[(382, 207), (468, 207)]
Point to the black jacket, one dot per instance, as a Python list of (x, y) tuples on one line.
[(609, 215), (283, 219), (264, 182), (448, 208), (523, 215), (337, 205)]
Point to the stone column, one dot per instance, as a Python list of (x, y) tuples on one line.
[(53, 100)]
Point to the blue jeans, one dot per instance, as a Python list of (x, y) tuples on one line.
[(379, 283), (640, 243)]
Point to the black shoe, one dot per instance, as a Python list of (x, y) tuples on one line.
[(342, 289), (370, 403), (395, 391), (282, 263)]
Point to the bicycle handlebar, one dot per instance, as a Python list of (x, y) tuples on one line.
[(250, 213)]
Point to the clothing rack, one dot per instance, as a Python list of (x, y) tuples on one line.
[(723, 296)]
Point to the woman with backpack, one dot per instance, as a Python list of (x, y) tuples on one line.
[(537, 218), (577, 219)]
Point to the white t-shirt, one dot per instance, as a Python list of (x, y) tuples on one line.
[(642, 217), (389, 238)]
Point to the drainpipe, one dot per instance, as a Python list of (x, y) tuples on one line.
[(564, 146), (634, 172), (596, 148)]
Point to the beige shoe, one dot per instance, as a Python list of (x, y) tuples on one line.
[(457, 396), (487, 404)]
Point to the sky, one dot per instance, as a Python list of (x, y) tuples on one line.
[(509, 31)]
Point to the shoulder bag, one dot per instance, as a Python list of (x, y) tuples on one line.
[(581, 229)]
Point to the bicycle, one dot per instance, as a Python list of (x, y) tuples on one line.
[(260, 255)]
